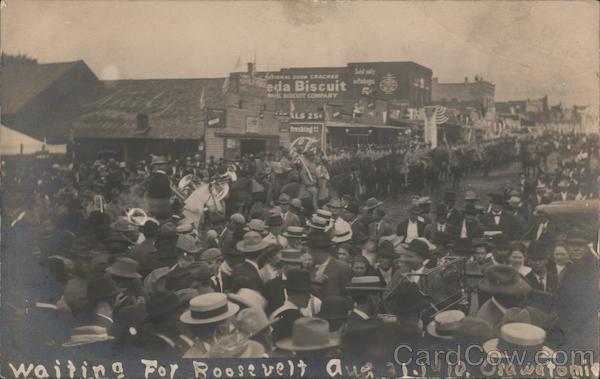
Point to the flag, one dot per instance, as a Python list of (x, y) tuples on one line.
[(202, 100), (441, 116), (225, 88)]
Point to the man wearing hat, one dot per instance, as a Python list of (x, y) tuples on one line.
[(252, 246), (289, 218), (298, 288), (379, 228), (454, 216), (332, 275), (233, 232), (385, 261), (413, 227), (335, 309), (563, 193), (213, 258), (274, 289), (366, 293), (540, 278), (440, 224), (499, 220), (470, 227), (295, 235), (205, 315), (577, 297), (310, 337)]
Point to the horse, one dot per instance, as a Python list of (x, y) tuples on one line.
[(205, 200)]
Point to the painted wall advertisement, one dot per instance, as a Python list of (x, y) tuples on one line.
[(306, 136), (215, 118), (326, 84)]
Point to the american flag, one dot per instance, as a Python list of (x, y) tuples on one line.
[(441, 117)]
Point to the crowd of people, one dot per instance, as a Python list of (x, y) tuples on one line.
[(296, 265)]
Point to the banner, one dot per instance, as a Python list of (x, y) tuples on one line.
[(307, 136), (215, 118)]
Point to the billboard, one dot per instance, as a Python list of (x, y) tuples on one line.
[(215, 118), (387, 80), (307, 136), (307, 84)]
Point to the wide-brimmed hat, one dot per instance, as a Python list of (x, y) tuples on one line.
[(317, 238), (125, 268), (342, 233), (248, 298), (309, 334), (385, 249), (190, 244), (298, 280), (284, 199), (420, 248), (161, 303), (335, 308), (335, 204), (159, 159), (445, 324), (366, 283), (209, 308), (318, 223), (257, 225), (323, 213), (84, 335), (372, 203), (238, 218), (290, 255), (516, 336), (123, 226), (294, 232), (252, 243), (504, 280)]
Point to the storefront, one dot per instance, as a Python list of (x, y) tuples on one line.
[(342, 134)]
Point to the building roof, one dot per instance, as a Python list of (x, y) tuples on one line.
[(21, 83), (173, 107)]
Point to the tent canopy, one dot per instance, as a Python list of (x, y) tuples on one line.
[(13, 142)]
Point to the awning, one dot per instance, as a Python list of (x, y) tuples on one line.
[(13, 142), (355, 125)]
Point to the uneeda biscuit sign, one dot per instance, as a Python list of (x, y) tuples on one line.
[(301, 84)]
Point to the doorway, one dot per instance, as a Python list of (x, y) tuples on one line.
[(252, 146)]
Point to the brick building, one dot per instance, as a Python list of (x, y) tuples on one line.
[(478, 94)]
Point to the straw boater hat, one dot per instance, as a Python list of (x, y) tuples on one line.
[(445, 324), (518, 336), (209, 308), (125, 268), (342, 233), (84, 335), (309, 334), (318, 223), (366, 283), (294, 232), (252, 243), (290, 255), (257, 225), (504, 280)]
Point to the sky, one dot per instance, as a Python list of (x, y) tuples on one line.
[(526, 48)]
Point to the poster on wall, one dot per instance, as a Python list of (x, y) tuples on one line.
[(215, 118), (251, 124), (306, 137)]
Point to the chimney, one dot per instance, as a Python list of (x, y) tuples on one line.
[(250, 68), (466, 79)]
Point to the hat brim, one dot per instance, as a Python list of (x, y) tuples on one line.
[(369, 207), (521, 287), (432, 330), (288, 344), (492, 346), (186, 317), (286, 235), (130, 275), (318, 227), (359, 288), (258, 247), (92, 339)]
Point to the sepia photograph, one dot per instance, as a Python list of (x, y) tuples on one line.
[(299, 189)]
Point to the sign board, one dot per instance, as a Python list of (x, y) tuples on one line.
[(215, 118), (313, 84), (251, 124), (307, 136), (387, 80)]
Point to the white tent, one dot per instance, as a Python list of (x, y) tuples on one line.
[(13, 142)]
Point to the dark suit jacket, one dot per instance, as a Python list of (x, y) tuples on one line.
[(403, 227), (430, 229), (548, 236), (474, 229), (551, 281), (508, 225), (338, 278), (455, 216), (273, 291), (291, 219), (385, 229), (245, 275)]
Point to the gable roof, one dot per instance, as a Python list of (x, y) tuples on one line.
[(172, 106), (21, 83)]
